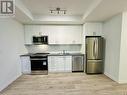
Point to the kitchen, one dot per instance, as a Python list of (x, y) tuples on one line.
[(49, 52), (62, 49)]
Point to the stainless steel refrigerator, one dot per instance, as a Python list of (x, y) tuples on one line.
[(94, 54)]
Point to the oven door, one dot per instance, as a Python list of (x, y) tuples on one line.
[(39, 64)]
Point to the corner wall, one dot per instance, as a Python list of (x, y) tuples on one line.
[(123, 51), (112, 34), (11, 46)]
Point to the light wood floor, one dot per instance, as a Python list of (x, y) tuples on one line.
[(65, 84)]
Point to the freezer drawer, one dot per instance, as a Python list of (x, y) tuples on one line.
[(77, 63), (94, 66)]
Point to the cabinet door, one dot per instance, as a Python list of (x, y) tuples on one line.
[(93, 29), (64, 34), (28, 34), (77, 34), (70, 34), (30, 31), (51, 64), (59, 63), (26, 65), (51, 30), (68, 64)]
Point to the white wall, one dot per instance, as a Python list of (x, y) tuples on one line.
[(112, 34), (123, 51), (83, 40), (11, 46)]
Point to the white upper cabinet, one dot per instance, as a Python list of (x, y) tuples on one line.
[(65, 34), (93, 29), (57, 34), (30, 31), (28, 35)]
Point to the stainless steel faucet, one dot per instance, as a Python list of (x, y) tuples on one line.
[(64, 51)]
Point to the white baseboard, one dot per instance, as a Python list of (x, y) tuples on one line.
[(9, 82), (122, 81), (111, 77)]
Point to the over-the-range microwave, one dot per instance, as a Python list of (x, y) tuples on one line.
[(40, 40)]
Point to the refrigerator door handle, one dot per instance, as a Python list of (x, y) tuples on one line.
[(96, 53), (94, 49)]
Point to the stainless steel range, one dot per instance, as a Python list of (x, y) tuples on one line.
[(39, 63)]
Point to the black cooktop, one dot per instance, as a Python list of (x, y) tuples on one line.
[(39, 54)]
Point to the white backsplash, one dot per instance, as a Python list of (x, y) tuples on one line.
[(53, 48)]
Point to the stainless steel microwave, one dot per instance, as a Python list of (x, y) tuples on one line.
[(40, 39)]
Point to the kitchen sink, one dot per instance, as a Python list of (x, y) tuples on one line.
[(63, 53)]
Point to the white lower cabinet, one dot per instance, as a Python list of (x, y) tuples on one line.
[(26, 64), (60, 63), (68, 64)]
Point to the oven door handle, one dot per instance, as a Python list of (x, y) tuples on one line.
[(42, 59)]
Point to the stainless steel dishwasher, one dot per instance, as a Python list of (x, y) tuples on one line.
[(77, 63)]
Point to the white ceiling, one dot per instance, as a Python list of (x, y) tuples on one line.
[(78, 11), (106, 9), (42, 7)]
